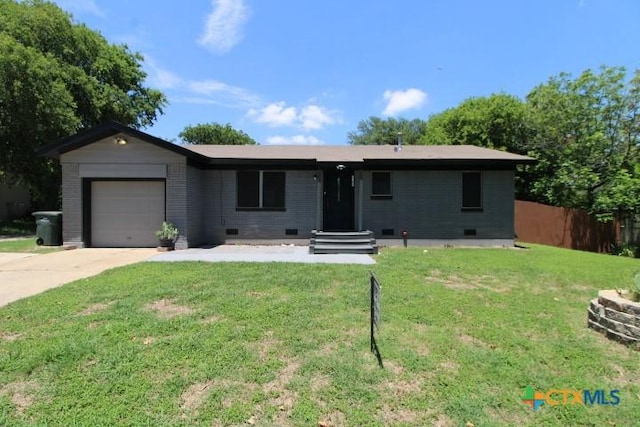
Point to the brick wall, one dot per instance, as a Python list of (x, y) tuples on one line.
[(219, 209), (176, 199), (428, 205), (71, 204)]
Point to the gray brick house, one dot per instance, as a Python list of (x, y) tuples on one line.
[(119, 184)]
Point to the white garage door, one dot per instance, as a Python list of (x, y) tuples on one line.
[(126, 213)]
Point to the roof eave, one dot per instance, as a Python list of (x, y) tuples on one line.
[(448, 163), (107, 129)]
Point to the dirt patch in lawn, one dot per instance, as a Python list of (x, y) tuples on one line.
[(8, 336), (94, 325), (281, 397), (283, 378), (505, 417), (451, 282), (393, 367), (265, 346), (95, 308), (393, 415), (257, 294), (211, 319), (197, 394), (402, 388), (89, 364), (334, 419), (416, 338), (450, 366), (469, 340), (21, 394), (443, 421), (320, 383), (622, 377), (328, 349), (194, 396), (466, 283), (167, 308)]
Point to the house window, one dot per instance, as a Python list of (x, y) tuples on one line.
[(381, 185), (471, 191), (260, 190)]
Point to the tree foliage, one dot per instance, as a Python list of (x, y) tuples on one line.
[(56, 78), (377, 131), (498, 121), (587, 132), (584, 131), (215, 134)]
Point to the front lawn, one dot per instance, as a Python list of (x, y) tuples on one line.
[(463, 332), (25, 244)]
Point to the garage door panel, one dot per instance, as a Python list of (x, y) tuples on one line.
[(126, 213)]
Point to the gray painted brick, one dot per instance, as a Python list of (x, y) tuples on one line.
[(219, 202), (428, 205), (176, 199), (71, 204)]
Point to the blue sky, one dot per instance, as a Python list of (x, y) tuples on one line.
[(307, 72)]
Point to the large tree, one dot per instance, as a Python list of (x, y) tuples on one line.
[(377, 131), (586, 140), (497, 121), (56, 78), (215, 133)]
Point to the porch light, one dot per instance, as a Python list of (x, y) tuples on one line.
[(119, 140)]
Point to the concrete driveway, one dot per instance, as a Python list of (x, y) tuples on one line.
[(23, 275)]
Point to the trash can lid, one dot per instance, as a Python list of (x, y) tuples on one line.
[(48, 213)]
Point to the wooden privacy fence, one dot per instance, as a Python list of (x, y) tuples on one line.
[(563, 227)]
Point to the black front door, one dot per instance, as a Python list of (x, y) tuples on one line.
[(338, 199)]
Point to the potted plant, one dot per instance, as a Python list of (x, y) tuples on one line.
[(167, 235)]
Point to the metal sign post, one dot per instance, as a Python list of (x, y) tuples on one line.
[(375, 317)]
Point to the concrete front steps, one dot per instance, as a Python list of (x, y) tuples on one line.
[(334, 242)]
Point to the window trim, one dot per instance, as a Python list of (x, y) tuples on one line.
[(260, 207), (382, 196), (472, 208)]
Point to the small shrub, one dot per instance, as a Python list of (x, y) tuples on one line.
[(626, 250)]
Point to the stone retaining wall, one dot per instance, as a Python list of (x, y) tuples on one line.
[(616, 317)]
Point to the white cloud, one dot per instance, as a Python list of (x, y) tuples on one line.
[(223, 29), (274, 115), (160, 77), (310, 117), (81, 6), (403, 100), (221, 93), (210, 92), (294, 140), (315, 117)]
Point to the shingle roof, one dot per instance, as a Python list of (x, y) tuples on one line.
[(355, 153), (301, 155)]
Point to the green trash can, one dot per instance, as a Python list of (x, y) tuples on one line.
[(48, 228)]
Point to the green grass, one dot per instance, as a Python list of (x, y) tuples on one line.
[(463, 332), (27, 244)]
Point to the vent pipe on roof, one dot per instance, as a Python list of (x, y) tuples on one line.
[(399, 146)]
